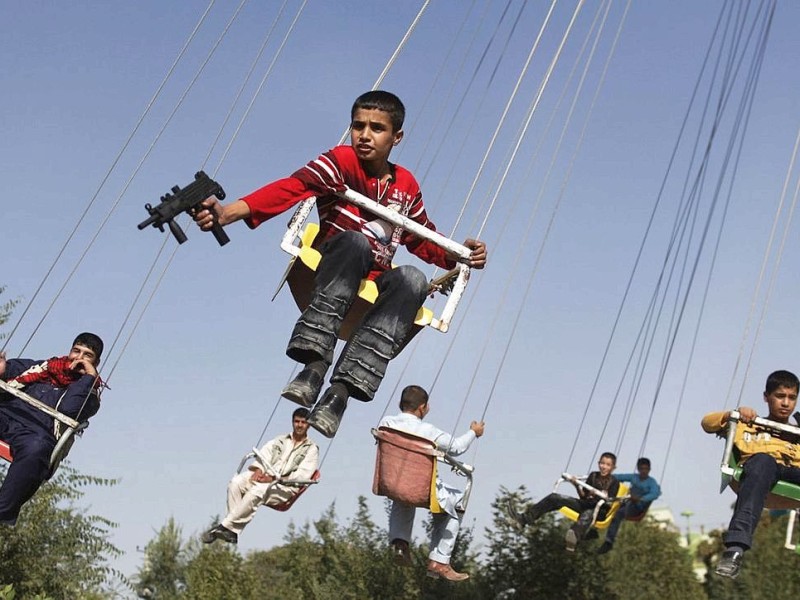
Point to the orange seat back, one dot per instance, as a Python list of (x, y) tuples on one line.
[(284, 506), (405, 467), (5, 451)]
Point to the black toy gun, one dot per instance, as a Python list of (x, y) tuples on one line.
[(186, 200)]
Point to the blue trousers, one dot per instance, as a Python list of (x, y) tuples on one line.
[(31, 450), (761, 472), (629, 510), (346, 259)]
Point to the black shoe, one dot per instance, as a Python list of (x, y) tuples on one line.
[(605, 547), (730, 564), (304, 388), (326, 416), (518, 518), (218, 532), (591, 534), (401, 553)]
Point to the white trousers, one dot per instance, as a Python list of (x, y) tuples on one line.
[(245, 496)]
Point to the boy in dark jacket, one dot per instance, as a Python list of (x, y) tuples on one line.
[(68, 384)]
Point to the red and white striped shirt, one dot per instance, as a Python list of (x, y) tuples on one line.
[(334, 171)]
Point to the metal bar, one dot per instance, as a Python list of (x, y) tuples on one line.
[(399, 220), (69, 422)]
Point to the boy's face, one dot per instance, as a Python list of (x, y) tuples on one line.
[(81, 352), (300, 426), (605, 465), (781, 402), (643, 470), (372, 137)]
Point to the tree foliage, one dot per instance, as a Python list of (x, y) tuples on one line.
[(317, 561), (5, 310), (57, 549), (769, 569), (646, 562)]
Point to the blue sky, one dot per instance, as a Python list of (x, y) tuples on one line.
[(196, 384)]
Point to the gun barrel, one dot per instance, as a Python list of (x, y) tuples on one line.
[(148, 221)]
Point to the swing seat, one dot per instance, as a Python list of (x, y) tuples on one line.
[(640, 516), (299, 274), (609, 516), (784, 495), (302, 486), (284, 506), (70, 428), (59, 452), (300, 277), (406, 467), (5, 451)]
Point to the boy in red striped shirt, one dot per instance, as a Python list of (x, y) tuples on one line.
[(354, 244)]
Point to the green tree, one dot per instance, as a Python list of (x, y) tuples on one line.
[(646, 562), (163, 574), (5, 310), (769, 569), (57, 549)]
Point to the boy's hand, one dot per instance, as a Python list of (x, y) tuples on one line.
[(746, 414), (84, 367), (2, 363), (477, 258), (205, 217), (477, 427), (259, 476)]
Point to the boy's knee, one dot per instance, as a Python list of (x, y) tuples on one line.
[(414, 281)]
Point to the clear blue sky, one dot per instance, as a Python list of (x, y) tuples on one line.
[(194, 388)]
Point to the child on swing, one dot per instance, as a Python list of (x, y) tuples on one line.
[(601, 480), (354, 244)]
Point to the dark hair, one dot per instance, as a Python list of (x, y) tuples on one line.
[(385, 101), (778, 379), (91, 341), (610, 455), (300, 412), (643, 461), (412, 397)]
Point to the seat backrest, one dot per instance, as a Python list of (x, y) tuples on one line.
[(405, 467), (5, 451), (284, 506)]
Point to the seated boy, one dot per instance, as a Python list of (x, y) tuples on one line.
[(644, 490), (602, 480), (69, 384), (354, 244), (766, 458), (289, 457)]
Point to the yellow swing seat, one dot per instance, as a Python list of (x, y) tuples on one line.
[(299, 274), (609, 516), (300, 277)]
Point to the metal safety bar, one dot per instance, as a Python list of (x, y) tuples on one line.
[(442, 323)]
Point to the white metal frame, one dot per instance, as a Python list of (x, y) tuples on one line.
[(733, 419), (442, 323)]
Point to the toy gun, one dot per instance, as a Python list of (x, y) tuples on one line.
[(186, 200)]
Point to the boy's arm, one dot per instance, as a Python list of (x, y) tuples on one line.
[(80, 401), (717, 421)]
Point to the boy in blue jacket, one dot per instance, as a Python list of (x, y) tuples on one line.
[(644, 489), (68, 384)]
